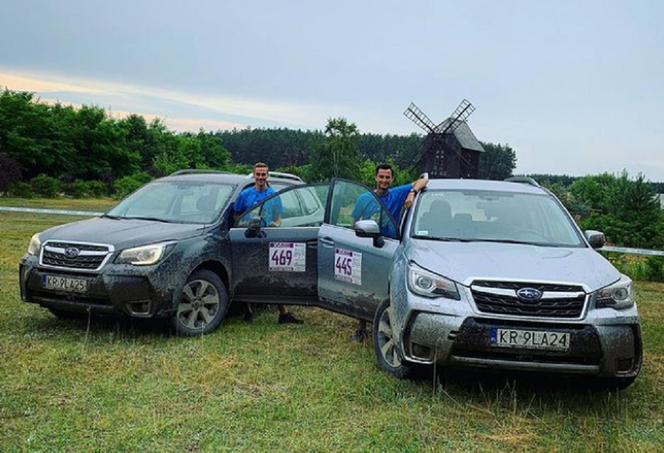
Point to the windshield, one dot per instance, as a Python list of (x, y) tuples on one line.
[(474, 215), (175, 202)]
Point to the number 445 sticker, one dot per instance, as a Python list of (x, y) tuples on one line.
[(348, 266)]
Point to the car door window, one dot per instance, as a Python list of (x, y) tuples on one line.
[(352, 202), (310, 201), (285, 210)]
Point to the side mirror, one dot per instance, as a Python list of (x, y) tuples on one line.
[(253, 227), (369, 229), (596, 239)]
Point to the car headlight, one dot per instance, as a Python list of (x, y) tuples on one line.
[(35, 245), (428, 284), (618, 295), (144, 255)]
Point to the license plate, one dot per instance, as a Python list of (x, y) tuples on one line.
[(530, 339), (69, 284)]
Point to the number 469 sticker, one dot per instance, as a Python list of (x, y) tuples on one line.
[(288, 257), (348, 266)]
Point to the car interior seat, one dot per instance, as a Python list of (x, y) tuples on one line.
[(437, 219)]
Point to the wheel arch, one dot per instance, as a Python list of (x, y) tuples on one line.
[(219, 269)]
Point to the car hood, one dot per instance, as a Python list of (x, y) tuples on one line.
[(467, 261), (121, 233)]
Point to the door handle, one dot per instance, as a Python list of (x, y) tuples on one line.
[(327, 242)]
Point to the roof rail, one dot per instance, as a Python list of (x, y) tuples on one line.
[(523, 180), (279, 174), (191, 171)]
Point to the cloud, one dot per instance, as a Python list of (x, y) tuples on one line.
[(21, 83), (214, 109)]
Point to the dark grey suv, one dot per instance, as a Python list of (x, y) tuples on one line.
[(164, 251)]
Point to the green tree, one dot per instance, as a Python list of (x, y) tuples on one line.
[(497, 162), (338, 155)]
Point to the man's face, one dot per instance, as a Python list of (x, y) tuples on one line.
[(260, 176), (383, 179)]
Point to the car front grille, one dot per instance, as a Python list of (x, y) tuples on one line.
[(557, 301), (88, 257)]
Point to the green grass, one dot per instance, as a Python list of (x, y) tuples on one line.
[(78, 204), (118, 385)]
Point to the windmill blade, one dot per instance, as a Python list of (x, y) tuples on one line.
[(418, 117), (460, 115)]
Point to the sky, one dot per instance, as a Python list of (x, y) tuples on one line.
[(574, 87)]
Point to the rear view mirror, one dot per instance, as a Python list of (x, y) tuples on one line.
[(596, 239)]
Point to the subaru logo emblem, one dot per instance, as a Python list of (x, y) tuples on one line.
[(529, 294), (72, 252)]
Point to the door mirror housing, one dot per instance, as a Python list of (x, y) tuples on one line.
[(253, 227), (367, 229), (596, 239)]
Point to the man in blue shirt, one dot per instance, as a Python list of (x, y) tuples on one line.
[(271, 216), (394, 199)]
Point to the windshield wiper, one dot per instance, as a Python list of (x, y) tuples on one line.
[(114, 217), (442, 239), (154, 219), (506, 241)]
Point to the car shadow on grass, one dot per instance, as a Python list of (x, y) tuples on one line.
[(529, 392), (100, 325)]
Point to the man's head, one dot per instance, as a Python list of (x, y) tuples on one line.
[(261, 173), (384, 176)]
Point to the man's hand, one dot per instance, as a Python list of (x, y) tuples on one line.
[(409, 200)]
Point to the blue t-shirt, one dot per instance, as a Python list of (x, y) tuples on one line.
[(393, 200), (250, 197)]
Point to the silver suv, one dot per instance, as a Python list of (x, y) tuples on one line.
[(478, 274)]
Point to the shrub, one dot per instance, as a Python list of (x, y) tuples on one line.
[(77, 189), (45, 186), (21, 190), (654, 269), (97, 189)]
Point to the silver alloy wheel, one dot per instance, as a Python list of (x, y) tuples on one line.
[(200, 303), (385, 339)]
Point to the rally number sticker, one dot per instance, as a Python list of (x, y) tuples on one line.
[(288, 257), (348, 266)]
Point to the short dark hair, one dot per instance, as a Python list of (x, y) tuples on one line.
[(384, 166)]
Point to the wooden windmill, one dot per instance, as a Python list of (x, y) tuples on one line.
[(449, 149)]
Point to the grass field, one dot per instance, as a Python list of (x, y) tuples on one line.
[(117, 385)]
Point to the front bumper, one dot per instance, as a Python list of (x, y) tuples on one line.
[(605, 343), (143, 292)]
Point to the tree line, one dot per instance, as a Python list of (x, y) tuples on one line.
[(82, 147)]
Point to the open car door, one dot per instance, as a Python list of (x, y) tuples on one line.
[(356, 245), (275, 247)]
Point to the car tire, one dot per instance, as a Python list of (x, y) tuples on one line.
[(385, 346), (202, 304)]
